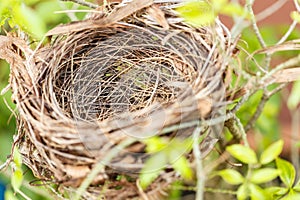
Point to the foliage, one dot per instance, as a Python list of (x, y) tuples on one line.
[(257, 173), (163, 152), (200, 13), (33, 16)]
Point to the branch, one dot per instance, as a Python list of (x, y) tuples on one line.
[(266, 96), (199, 166), (84, 3), (100, 167)]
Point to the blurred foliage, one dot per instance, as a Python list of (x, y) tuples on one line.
[(200, 13), (36, 17), (267, 124)]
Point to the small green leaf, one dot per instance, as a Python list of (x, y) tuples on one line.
[(242, 192), (257, 193), (17, 158), (277, 191), (271, 152), (286, 172), (263, 175), (295, 16), (153, 166), (9, 195), (17, 179), (242, 153), (182, 166), (231, 176), (197, 13), (155, 144), (219, 4), (294, 98), (233, 9)]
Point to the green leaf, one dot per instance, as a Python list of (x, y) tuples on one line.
[(294, 98), (271, 152), (242, 192), (292, 195), (17, 179), (183, 168), (177, 148), (9, 195), (286, 172), (231, 176), (31, 2), (297, 186), (155, 144), (29, 21), (257, 193), (242, 153), (219, 4), (233, 9), (17, 158), (263, 175), (153, 166), (277, 191), (197, 13), (295, 16)]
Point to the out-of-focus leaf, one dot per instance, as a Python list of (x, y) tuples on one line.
[(242, 192), (292, 195), (271, 152), (297, 186), (242, 153), (231, 176), (267, 123), (17, 179), (197, 13), (294, 98), (182, 166), (287, 172), (257, 193), (155, 144), (263, 175), (46, 9), (31, 2), (234, 9), (277, 191), (152, 169), (219, 4), (17, 158), (9, 195), (295, 16), (29, 20)]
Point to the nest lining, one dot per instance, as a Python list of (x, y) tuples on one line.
[(126, 72)]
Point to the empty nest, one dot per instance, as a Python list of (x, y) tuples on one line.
[(121, 75)]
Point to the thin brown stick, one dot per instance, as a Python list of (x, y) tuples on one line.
[(84, 3)]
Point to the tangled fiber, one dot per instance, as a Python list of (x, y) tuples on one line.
[(106, 84)]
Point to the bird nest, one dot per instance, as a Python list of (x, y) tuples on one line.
[(108, 83)]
